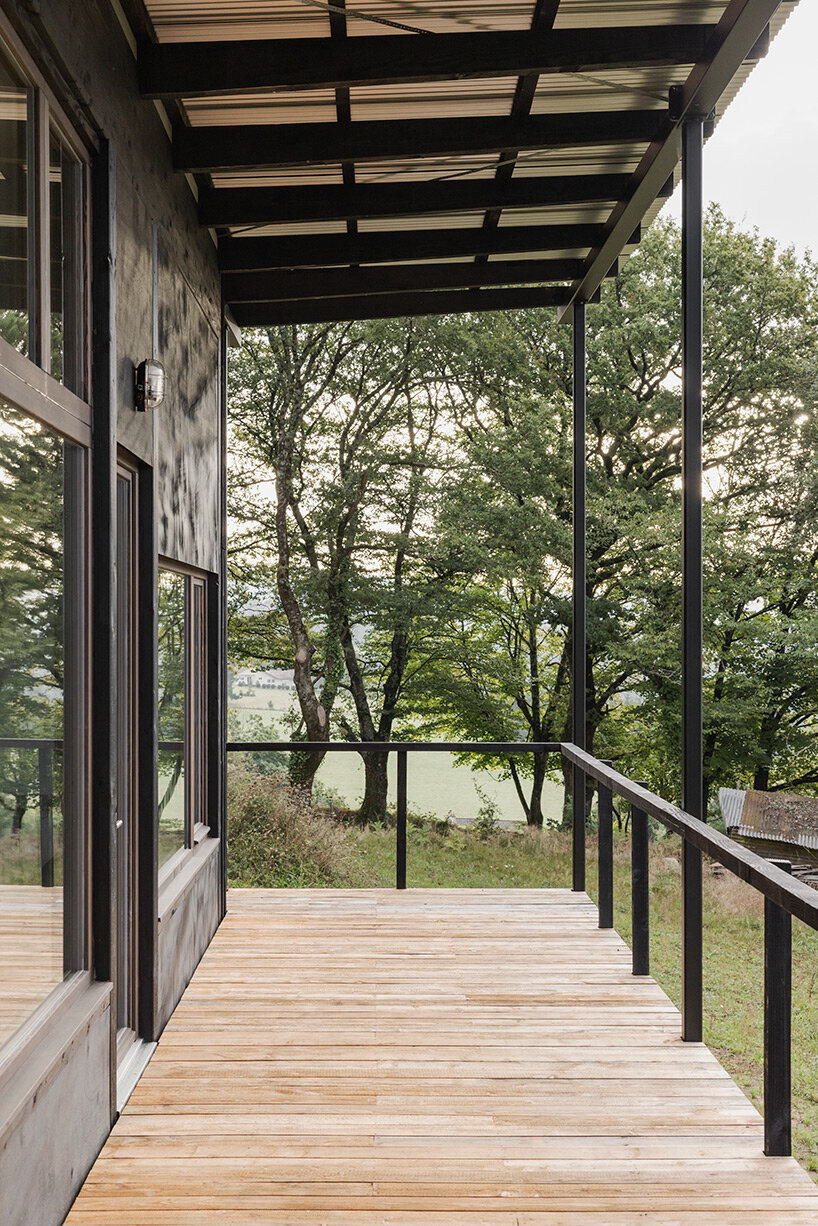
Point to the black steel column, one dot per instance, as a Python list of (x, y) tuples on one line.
[(692, 777), (777, 1025), (640, 890), (605, 852), (579, 650)]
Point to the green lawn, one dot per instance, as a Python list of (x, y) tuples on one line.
[(436, 785)]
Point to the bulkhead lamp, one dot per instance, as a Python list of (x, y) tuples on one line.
[(149, 385)]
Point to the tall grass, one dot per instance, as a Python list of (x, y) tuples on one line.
[(276, 839)]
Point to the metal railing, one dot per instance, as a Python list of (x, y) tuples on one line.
[(45, 749), (784, 896)]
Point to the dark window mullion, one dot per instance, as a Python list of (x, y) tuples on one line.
[(42, 206)]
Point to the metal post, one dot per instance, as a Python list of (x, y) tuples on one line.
[(777, 1022), (692, 773), (45, 772), (640, 891), (400, 848), (579, 631), (605, 853)]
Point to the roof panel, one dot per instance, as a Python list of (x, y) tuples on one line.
[(579, 14), (210, 20), (307, 106), (603, 92)]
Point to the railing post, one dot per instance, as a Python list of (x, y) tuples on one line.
[(605, 852), (777, 1023), (640, 891), (579, 598), (692, 554), (45, 772), (400, 830)]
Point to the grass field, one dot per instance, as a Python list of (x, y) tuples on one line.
[(436, 785)]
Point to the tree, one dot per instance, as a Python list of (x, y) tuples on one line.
[(452, 600), (335, 435)]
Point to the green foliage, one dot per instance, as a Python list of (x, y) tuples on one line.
[(428, 504), (487, 821), (275, 839)]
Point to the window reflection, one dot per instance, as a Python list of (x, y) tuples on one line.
[(65, 194), (172, 824), (41, 713), (15, 232)]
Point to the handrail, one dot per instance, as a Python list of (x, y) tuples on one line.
[(491, 747), (800, 899), (402, 749), (783, 895)]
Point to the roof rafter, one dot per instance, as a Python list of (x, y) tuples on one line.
[(318, 250), (266, 146), (242, 206), (282, 285), (183, 70), (387, 306)]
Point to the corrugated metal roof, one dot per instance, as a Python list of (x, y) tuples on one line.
[(778, 817), (604, 91)]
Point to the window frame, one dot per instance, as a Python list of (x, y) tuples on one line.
[(44, 115), (197, 828), (27, 385)]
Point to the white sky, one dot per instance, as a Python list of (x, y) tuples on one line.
[(761, 164)]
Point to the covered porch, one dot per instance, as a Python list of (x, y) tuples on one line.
[(433, 1056)]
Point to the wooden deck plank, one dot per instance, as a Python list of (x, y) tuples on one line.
[(435, 1058)]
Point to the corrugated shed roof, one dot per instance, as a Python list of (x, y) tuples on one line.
[(779, 817), (606, 90)]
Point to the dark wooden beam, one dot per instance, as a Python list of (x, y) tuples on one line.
[(287, 284), (180, 70), (389, 306), (266, 146), (320, 250), (740, 36), (248, 206)]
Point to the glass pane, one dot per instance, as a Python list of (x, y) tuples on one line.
[(197, 701), (14, 208), (41, 713), (171, 713), (67, 331)]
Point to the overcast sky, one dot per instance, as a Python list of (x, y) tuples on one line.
[(761, 164)]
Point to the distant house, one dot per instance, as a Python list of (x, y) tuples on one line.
[(774, 824)]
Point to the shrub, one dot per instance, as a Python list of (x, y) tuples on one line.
[(275, 838)]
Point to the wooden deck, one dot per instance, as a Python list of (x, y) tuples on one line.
[(31, 950), (432, 1058)]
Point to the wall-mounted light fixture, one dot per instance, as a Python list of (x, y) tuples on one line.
[(149, 385)]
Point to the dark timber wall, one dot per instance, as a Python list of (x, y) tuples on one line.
[(56, 1102)]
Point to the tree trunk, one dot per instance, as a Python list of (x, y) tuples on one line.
[(535, 813), (761, 779), (20, 806), (373, 806), (567, 822)]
